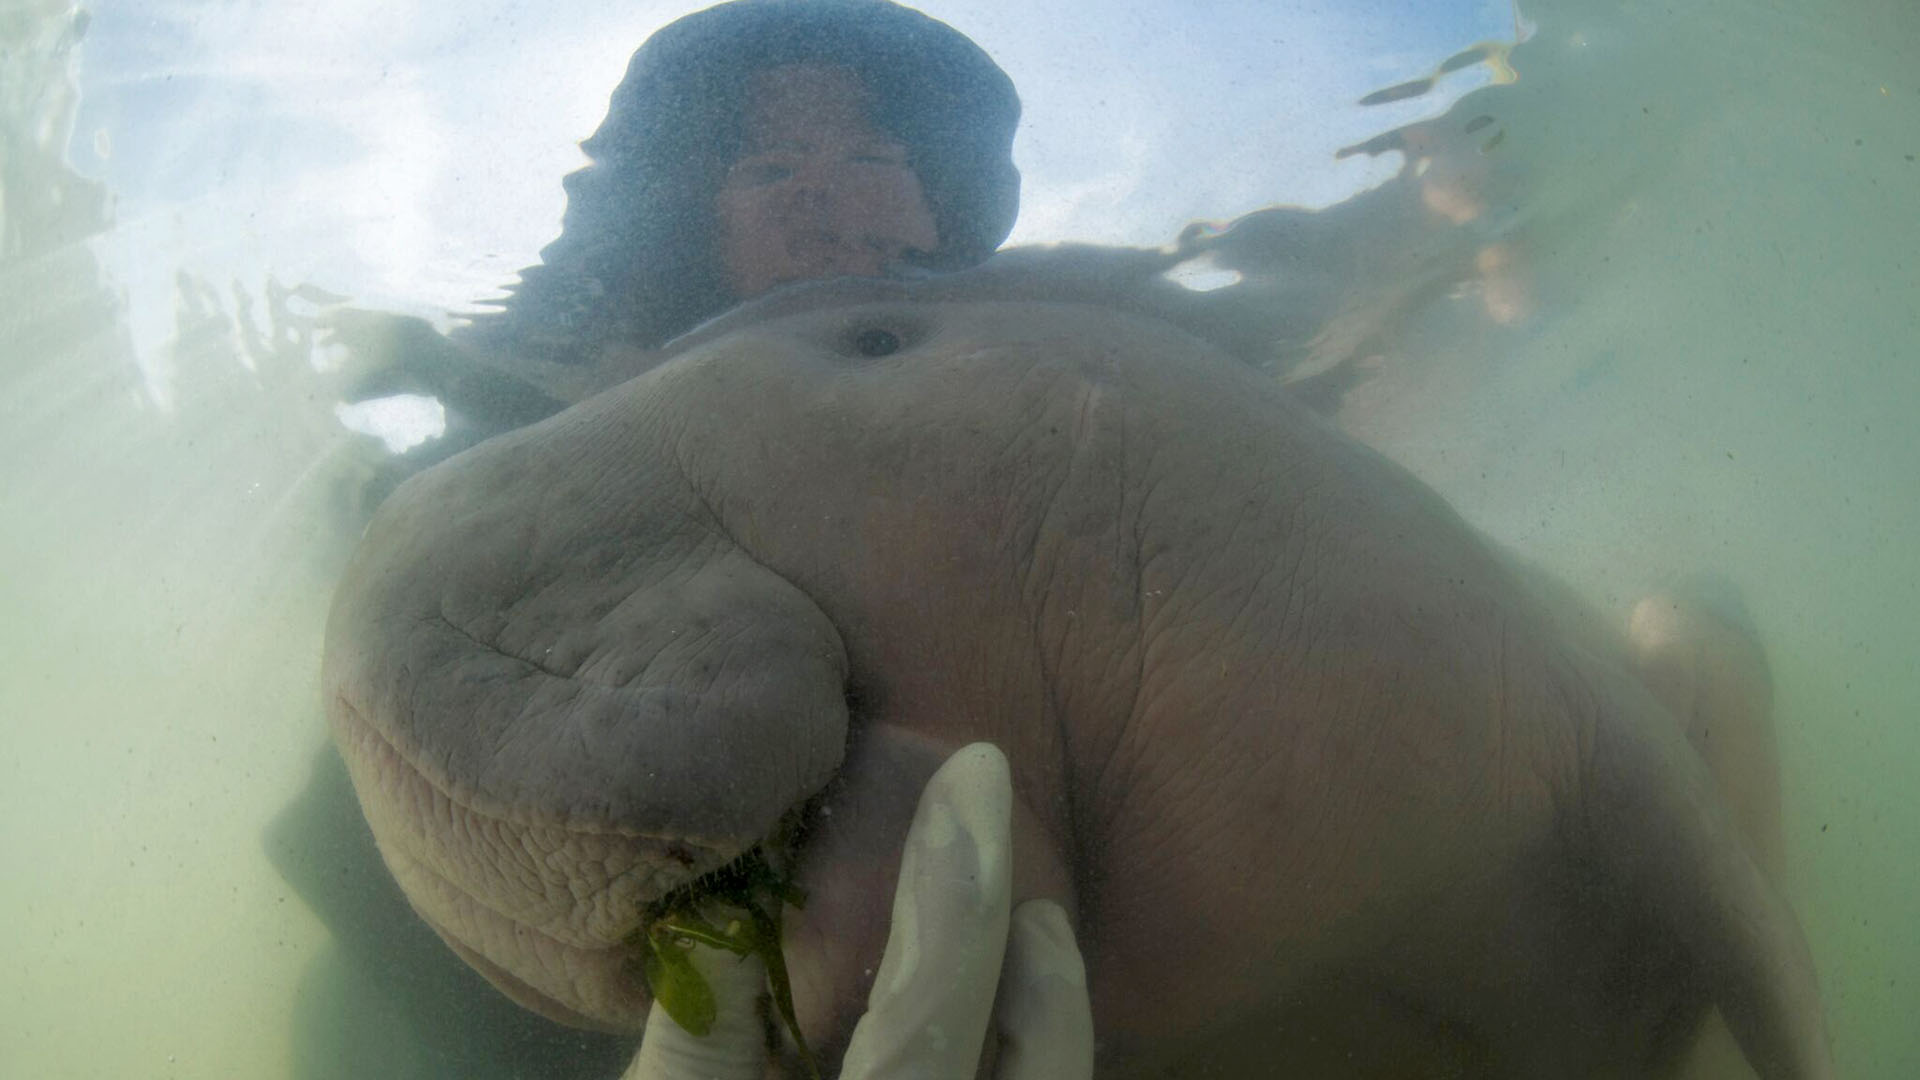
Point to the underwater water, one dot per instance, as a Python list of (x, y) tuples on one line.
[(1663, 319)]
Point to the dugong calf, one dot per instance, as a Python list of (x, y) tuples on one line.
[(1327, 787)]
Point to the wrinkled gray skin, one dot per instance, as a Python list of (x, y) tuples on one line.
[(1328, 790)]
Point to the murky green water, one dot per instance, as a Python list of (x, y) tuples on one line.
[(1670, 324)]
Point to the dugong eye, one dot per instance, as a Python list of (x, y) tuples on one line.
[(874, 341)]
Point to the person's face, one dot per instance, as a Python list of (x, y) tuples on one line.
[(816, 192)]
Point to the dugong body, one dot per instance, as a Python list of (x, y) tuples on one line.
[(1327, 788)]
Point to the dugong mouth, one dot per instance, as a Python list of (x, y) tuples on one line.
[(557, 705), (554, 912)]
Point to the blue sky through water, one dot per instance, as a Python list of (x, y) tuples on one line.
[(408, 153)]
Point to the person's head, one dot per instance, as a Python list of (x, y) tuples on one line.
[(765, 141)]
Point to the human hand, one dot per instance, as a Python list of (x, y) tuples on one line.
[(952, 945)]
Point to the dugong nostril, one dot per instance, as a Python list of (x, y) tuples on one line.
[(875, 342)]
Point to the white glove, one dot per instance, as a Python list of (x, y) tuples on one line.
[(934, 997)]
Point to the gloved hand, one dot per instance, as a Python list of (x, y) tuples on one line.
[(952, 945)]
